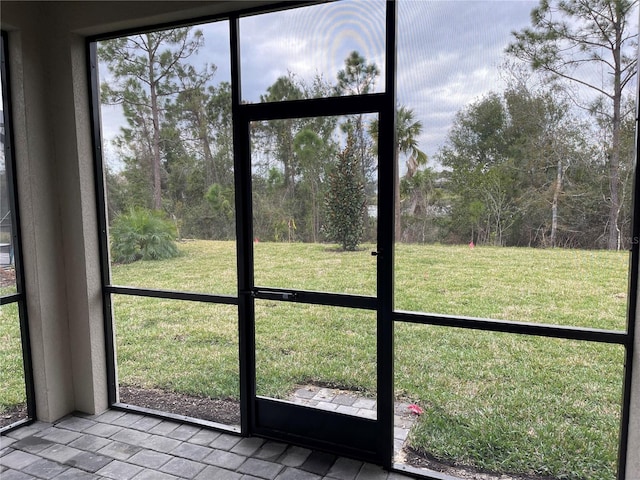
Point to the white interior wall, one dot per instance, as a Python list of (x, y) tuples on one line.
[(38, 179)]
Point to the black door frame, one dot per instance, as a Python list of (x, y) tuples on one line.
[(370, 440)]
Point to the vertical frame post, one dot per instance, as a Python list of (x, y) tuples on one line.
[(101, 207), (244, 243), (387, 165), (632, 306)]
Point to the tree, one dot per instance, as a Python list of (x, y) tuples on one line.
[(144, 69), (358, 78), (290, 158), (219, 117), (567, 40), (190, 109), (521, 171), (424, 206), (222, 203), (408, 129), (407, 132), (476, 144), (546, 141), (311, 150), (280, 133), (197, 154), (627, 163), (345, 200)]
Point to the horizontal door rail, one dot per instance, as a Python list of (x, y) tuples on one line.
[(12, 298), (14, 426), (318, 298), (172, 295), (313, 107), (319, 429), (524, 328)]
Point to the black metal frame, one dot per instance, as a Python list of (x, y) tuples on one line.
[(19, 297), (384, 105), (101, 208), (371, 440), (244, 260), (632, 304)]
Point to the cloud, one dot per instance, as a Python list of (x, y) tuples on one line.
[(309, 41), (449, 54), (449, 51)]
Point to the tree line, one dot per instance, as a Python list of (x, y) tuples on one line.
[(530, 165)]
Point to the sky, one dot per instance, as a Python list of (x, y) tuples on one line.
[(449, 52)]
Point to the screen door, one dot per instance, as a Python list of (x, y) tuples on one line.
[(314, 199)]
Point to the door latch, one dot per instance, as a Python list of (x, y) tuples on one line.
[(274, 294)]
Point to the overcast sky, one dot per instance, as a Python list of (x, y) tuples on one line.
[(449, 51)]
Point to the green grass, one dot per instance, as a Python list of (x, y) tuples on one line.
[(302, 344), (510, 403), (181, 346), (501, 402), (563, 287), (12, 387), (204, 267)]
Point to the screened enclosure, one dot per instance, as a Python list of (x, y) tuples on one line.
[(399, 204)]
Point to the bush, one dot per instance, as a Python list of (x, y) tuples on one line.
[(142, 234), (345, 201)]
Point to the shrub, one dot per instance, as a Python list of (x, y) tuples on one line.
[(142, 234), (345, 201)]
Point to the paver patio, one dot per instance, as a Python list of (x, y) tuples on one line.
[(128, 446)]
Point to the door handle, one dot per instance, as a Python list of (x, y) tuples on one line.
[(273, 293)]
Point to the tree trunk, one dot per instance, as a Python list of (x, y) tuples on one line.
[(396, 200), (614, 178), (205, 142), (557, 188), (155, 161), (614, 157), (288, 160), (361, 146), (314, 212)]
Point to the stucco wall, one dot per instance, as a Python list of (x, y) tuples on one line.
[(57, 204)]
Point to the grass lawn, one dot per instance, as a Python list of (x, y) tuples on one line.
[(501, 402), (12, 387)]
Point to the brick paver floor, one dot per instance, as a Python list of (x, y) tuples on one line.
[(352, 403), (127, 446)]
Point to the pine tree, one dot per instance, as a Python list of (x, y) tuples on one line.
[(571, 39)]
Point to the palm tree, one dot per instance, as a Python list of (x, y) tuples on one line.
[(408, 129)]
